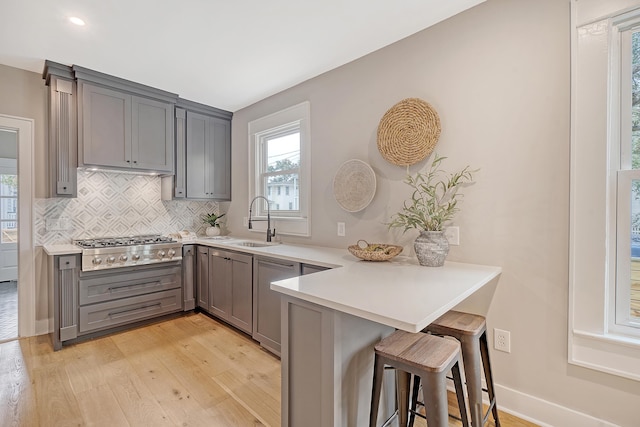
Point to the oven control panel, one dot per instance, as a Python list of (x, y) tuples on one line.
[(114, 257)]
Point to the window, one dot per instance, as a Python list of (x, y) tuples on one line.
[(280, 157), (626, 304), (8, 208), (604, 261)]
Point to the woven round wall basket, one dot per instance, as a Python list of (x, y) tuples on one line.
[(408, 132)]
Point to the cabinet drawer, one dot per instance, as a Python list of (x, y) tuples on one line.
[(128, 310), (108, 286)]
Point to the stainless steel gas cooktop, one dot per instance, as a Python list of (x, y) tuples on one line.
[(115, 252)]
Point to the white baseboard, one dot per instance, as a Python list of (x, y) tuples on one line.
[(542, 412)]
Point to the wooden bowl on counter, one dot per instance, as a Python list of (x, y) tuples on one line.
[(374, 251)]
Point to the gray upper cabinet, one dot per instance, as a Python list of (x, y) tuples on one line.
[(203, 153), (124, 125), (121, 130), (208, 157), (62, 135)]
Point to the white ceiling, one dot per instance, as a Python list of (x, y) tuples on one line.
[(228, 54)]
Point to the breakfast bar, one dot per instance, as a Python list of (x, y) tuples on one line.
[(331, 320)]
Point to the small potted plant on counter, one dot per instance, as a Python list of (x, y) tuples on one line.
[(431, 207), (214, 224)]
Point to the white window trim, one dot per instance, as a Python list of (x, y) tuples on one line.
[(595, 130), (285, 225)]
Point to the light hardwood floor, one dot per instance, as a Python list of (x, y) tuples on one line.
[(188, 371)]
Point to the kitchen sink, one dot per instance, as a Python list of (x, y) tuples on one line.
[(257, 244)]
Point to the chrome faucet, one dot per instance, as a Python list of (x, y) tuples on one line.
[(270, 233)]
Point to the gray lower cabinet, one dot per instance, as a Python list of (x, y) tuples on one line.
[(86, 302), (202, 277), (111, 298), (64, 270), (189, 254), (230, 288), (121, 130), (208, 157), (266, 303), (224, 283)]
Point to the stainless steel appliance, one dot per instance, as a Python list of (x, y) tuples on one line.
[(115, 282), (117, 252)]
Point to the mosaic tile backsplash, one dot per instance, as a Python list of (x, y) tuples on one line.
[(117, 204)]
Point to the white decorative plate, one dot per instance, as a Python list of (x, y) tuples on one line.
[(354, 185)]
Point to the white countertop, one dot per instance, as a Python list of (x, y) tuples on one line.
[(399, 293), (64, 249)]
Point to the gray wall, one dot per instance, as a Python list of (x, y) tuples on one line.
[(498, 75)]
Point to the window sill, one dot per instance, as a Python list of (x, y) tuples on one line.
[(613, 354)]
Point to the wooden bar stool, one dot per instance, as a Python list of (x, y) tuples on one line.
[(425, 356), (471, 331)]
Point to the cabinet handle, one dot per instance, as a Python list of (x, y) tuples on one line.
[(135, 161), (112, 288), (277, 264), (128, 161), (124, 312)]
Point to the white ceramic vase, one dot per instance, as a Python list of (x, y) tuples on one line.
[(212, 231), (432, 248)]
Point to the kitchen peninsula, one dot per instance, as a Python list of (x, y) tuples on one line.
[(331, 321)]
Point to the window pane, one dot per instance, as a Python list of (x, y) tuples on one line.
[(9, 232), (283, 153), (635, 100), (9, 185), (635, 250), (8, 209), (289, 199)]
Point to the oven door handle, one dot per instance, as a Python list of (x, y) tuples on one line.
[(118, 288), (116, 314)]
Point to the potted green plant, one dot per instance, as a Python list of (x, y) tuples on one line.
[(433, 203), (213, 220)]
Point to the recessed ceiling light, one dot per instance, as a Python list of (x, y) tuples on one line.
[(76, 20)]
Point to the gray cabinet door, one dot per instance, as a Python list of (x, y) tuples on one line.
[(219, 286), (241, 292), (105, 122), (179, 181), (197, 159), (266, 304), (152, 134), (231, 288), (202, 277), (219, 174), (208, 157)]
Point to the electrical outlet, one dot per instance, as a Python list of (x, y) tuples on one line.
[(453, 235), (245, 221), (502, 340), (341, 229)]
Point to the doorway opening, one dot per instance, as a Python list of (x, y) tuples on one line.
[(8, 234)]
